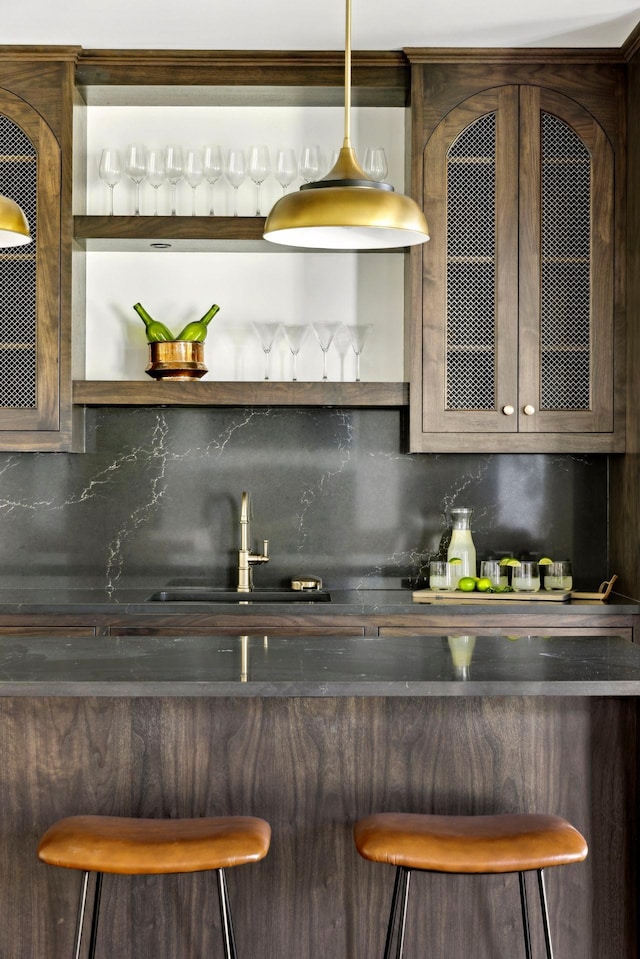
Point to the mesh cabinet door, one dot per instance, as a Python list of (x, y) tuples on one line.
[(469, 336), (29, 275), (517, 308), (566, 268)]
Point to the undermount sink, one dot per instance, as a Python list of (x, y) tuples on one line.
[(204, 594)]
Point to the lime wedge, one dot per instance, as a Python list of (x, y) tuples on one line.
[(513, 562), (545, 561), (456, 561), (505, 560)]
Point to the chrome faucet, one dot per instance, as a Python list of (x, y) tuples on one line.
[(246, 559)]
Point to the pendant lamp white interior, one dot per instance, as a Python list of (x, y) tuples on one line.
[(346, 209), (14, 228)]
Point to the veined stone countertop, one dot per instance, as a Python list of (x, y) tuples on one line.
[(343, 601), (256, 666)]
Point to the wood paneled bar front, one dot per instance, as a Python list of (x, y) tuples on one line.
[(312, 733)]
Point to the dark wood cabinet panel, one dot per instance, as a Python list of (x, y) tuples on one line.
[(514, 632), (311, 767), (239, 629), (47, 630)]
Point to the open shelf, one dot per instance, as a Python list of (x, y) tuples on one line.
[(182, 234), (207, 393)]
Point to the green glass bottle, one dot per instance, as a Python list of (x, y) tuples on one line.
[(196, 331), (156, 332)]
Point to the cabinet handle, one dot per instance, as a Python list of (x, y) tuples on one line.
[(508, 410), (529, 410)]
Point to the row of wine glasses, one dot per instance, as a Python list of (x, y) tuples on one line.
[(296, 334), (173, 164)]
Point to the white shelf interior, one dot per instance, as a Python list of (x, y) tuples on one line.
[(249, 286), (195, 127), (289, 288)]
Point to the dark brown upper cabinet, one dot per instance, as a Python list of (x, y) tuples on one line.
[(36, 91), (513, 343)]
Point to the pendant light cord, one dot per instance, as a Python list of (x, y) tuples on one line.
[(347, 78)]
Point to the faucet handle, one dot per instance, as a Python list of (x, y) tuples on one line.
[(265, 548)]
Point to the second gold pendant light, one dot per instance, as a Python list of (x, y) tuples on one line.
[(14, 227)]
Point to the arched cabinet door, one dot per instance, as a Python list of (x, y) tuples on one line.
[(517, 291), (566, 267), (30, 173)]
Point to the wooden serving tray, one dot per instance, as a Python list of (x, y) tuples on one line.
[(459, 596), (602, 594)]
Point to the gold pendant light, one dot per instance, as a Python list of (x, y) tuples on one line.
[(14, 228), (346, 209)]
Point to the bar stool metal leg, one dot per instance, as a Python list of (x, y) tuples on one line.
[(525, 915), (545, 914), (398, 913), (82, 908), (82, 904), (94, 918), (225, 916)]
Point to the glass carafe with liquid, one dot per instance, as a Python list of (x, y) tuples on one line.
[(461, 546)]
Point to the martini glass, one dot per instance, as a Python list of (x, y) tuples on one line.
[(357, 337), (325, 333), (110, 171), (295, 335), (266, 333)]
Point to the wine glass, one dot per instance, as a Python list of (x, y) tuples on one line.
[(235, 171), (174, 171), (110, 171), (325, 333), (155, 174), (135, 166), (212, 170), (266, 333), (310, 163), (193, 175), (295, 335), (259, 169), (286, 168), (357, 336), (375, 163)]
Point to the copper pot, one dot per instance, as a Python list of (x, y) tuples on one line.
[(176, 360)]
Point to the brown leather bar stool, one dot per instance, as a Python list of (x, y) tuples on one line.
[(467, 844), (133, 847)]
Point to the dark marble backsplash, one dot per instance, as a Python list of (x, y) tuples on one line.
[(156, 496)]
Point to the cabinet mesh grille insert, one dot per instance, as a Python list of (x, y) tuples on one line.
[(18, 178), (471, 243), (565, 361)]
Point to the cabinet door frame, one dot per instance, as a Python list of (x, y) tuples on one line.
[(46, 413), (503, 101), (599, 417), (597, 430)]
